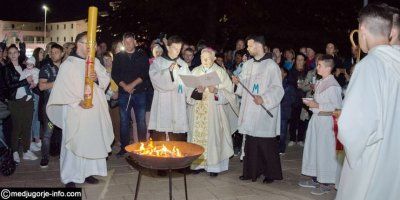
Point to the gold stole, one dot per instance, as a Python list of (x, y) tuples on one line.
[(200, 129)]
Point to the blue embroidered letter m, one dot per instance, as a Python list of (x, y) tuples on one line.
[(256, 87), (180, 88)]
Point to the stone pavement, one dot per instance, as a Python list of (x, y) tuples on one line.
[(121, 182)]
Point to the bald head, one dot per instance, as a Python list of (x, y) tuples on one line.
[(376, 19)]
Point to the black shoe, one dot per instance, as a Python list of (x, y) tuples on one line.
[(70, 185), (213, 174), (268, 180), (161, 173), (245, 179), (44, 163), (184, 170), (121, 153), (91, 180), (197, 171)]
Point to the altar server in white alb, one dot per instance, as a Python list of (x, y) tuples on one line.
[(369, 122), (211, 125), (87, 134), (262, 76), (395, 33), (319, 155), (168, 118)]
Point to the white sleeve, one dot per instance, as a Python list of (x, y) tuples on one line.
[(243, 76), (274, 93), (334, 96), (102, 75), (225, 88), (359, 119), (160, 78)]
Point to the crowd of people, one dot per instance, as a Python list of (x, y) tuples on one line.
[(264, 94)]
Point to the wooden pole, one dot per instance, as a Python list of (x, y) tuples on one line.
[(91, 45)]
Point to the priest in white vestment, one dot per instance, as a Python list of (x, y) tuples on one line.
[(319, 156), (87, 134), (262, 76), (369, 122), (211, 126), (168, 117)]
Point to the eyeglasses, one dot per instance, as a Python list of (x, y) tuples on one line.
[(87, 43)]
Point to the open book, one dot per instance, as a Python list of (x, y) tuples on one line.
[(204, 80)]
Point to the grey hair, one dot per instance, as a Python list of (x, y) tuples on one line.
[(210, 51)]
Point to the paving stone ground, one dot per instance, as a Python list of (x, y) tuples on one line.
[(120, 183)]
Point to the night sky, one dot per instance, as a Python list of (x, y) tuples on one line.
[(286, 23), (31, 10)]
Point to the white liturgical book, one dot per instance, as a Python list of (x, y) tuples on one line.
[(205, 80)]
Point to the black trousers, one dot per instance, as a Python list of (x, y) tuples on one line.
[(297, 125), (161, 136), (261, 157), (21, 116)]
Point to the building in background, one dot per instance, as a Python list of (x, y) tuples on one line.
[(33, 32), (62, 32)]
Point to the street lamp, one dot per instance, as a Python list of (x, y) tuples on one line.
[(45, 8)]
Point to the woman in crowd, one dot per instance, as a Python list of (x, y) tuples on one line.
[(38, 54), (297, 77), (20, 104), (289, 59), (112, 96), (277, 56)]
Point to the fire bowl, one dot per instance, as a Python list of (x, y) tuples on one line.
[(189, 151)]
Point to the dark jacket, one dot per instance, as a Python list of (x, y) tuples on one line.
[(341, 79), (22, 52), (293, 77), (3, 87), (287, 100), (49, 72), (11, 77), (196, 60), (128, 69)]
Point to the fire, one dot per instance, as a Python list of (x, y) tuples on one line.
[(149, 149)]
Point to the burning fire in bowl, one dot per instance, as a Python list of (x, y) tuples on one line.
[(164, 155)]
